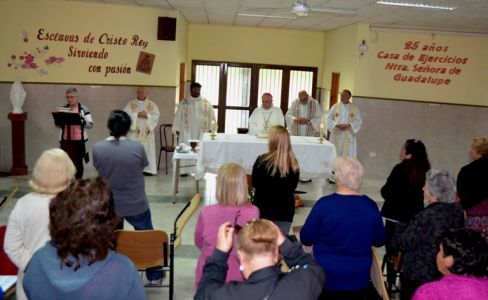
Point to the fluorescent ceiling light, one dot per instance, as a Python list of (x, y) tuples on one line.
[(264, 16), (427, 31), (419, 5)]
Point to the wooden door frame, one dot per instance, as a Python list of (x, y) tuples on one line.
[(334, 88), (182, 81)]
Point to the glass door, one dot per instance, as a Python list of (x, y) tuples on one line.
[(208, 76), (237, 98), (299, 81), (270, 81)]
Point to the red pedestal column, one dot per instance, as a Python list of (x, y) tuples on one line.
[(18, 143)]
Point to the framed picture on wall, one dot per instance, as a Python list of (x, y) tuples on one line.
[(145, 62)]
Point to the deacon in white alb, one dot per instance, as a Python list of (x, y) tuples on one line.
[(344, 122), (266, 116), (145, 118)]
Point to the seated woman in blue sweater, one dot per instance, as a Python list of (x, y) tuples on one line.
[(78, 263), (342, 227)]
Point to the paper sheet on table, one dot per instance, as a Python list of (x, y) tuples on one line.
[(7, 282)]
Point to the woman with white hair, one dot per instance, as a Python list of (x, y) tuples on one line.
[(342, 227), (420, 240), (27, 228), (73, 138)]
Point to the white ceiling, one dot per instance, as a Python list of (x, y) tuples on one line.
[(471, 15)]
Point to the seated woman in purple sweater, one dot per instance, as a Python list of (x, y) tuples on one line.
[(342, 227), (463, 260), (233, 205)]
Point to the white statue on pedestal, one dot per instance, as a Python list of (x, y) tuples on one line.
[(17, 96)]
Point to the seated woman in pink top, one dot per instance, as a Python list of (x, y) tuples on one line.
[(463, 260), (233, 205)]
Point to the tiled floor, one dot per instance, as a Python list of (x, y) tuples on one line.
[(165, 208)]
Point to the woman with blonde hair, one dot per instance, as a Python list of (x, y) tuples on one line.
[(233, 205), (27, 228), (259, 245), (275, 177)]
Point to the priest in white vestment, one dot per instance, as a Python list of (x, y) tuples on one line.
[(344, 122), (303, 117), (266, 116), (145, 118), (194, 116)]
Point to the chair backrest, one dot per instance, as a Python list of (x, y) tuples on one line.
[(184, 217), (6, 199), (377, 276), (166, 136), (7, 267), (145, 248)]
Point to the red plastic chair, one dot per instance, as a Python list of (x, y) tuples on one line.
[(7, 267)]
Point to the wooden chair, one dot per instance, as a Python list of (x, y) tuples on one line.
[(392, 270), (150, 248), (377, 278), (6, 199), (168, 145), (184, 217), (146, 249)]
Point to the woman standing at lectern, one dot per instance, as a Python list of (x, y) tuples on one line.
[(74, 137)]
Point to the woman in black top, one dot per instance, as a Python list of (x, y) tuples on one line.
[(274, 178), (420, 241), (472, 188), (403, 196), (259, 244)]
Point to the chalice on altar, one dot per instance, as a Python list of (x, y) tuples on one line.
[(193, 144)]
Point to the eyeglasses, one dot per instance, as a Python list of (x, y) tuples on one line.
[(71, 97), (236, 226)]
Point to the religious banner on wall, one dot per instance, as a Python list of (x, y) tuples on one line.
[(422, 63), (91, 49)]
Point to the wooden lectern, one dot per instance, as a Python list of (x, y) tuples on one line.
[(18, 143), (65, 120)]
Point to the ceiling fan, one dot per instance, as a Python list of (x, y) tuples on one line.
[(301, 9)]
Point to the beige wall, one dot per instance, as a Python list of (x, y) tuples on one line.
[(255, 45), (373, 74), (100, 93), (340, 56), (21, 19), (374, 79), (333, 51)]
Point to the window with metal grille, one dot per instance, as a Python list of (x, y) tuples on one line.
[(235, 89)]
